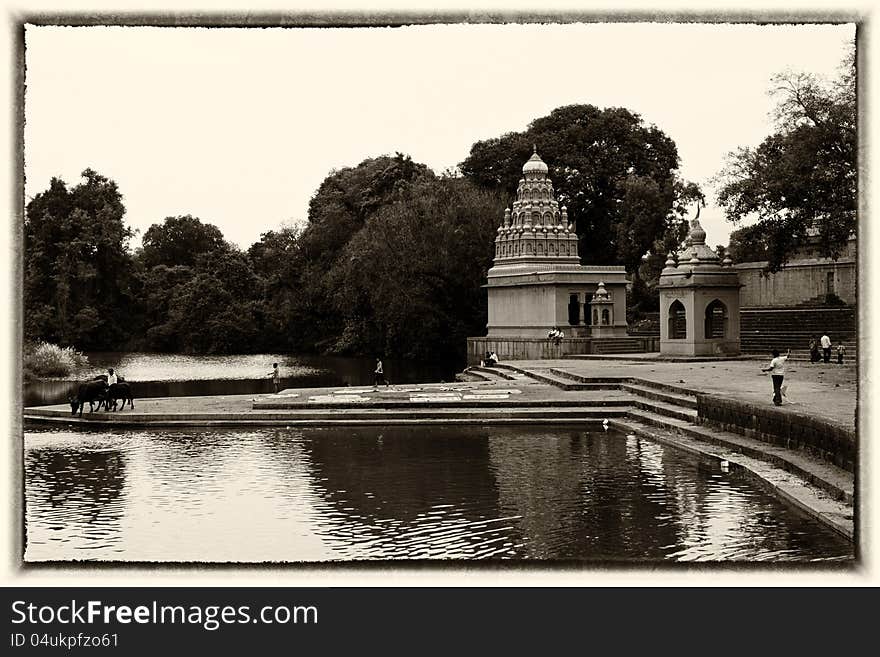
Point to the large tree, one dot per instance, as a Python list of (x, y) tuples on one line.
[(616, 175), (342, 204), (77, 270), (800, 182), (409, 283)]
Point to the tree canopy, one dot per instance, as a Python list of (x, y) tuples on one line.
[(800, 182), (76, 269), (178, 241)]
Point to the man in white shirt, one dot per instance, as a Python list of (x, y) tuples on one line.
[(826, 347), (777, 373), (111, 377)]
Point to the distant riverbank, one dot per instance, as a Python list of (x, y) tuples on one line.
[(178, 375)]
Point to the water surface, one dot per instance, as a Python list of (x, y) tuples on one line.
[(397, 493), (177, 375)]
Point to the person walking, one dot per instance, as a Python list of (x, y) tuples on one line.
[(777, 373), (826, 347), (841, 351), (276, 377), (379, 374)]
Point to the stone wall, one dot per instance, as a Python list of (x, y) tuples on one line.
[(820, 438), (514, 348), (796, 282)]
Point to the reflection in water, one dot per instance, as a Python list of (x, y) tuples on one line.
[(366, 493), (175, 375), (78, 499)]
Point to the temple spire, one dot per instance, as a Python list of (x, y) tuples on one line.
[(535, 227)]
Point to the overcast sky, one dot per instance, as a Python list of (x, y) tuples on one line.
[(239, 126)]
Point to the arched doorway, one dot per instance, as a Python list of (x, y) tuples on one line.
[(716, 320), (677, 321)]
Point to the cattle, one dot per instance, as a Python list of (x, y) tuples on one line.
[(118, 391), (91, 392), (103, 403)]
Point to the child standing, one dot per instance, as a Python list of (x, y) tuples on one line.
[(276, 377), (841, 350)]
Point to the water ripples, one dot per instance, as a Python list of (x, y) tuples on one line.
[(403, 493)]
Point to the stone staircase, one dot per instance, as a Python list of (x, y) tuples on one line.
[(627, 345), (763, 329)]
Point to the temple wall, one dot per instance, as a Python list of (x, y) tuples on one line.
[(522, 310), (796, 282)]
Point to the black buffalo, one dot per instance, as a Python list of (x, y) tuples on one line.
[(91, 392), (118, 391)]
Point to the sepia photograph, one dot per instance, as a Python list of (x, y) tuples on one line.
[(529, 293)]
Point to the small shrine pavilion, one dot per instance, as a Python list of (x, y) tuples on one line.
[(699, 301)]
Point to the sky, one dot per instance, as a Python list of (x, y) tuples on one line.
[(239, 126)]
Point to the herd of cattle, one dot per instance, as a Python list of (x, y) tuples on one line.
[(98, 392)]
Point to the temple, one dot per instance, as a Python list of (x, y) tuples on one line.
[(537, 282)]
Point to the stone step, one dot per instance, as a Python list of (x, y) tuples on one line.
[(565, 374), (587, 411), (668, 410), (666, 387), (617, 346), (494, 373), (833, 480), (567, 383), (656, 394), (402, 404)]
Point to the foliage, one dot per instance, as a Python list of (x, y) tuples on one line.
[(215, 309), (178, 241), (49, 360), (616, 176), (408, 284), (76, 267), (800, 181), (340, 208), (748, 244)]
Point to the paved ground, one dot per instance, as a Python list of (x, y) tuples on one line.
[(828, 391), (499, 393)]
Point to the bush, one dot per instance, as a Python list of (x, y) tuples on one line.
[(48, 360)]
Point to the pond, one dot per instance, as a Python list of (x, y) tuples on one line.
[(342, 494), (175, 375)]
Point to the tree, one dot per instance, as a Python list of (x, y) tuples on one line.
[(77, 270), (748, 244), (616, 176), (800, 182), (338, 211), (409, 283), (178, 241)]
